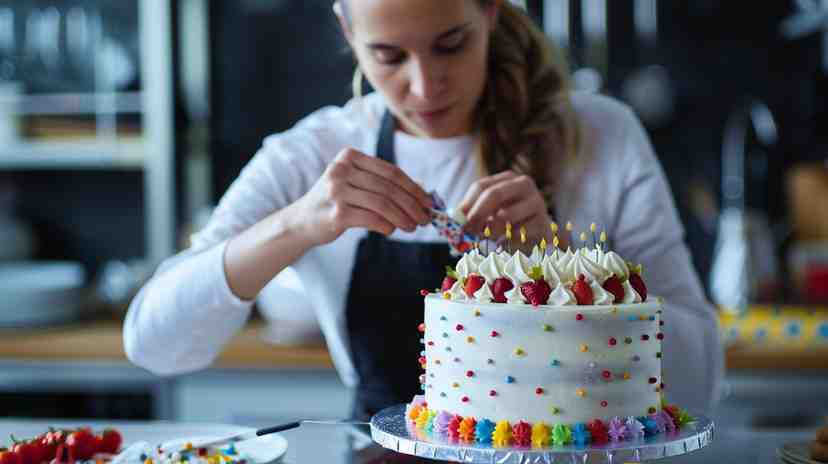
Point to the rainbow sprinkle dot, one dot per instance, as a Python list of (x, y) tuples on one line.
[(510, 379), (580, 392), (519, 351), (584, 348), (470, 339), (476, 313), (547, 328)]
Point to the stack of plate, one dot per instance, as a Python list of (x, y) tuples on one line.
[(796, 453)]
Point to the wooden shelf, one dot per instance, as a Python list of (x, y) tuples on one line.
[(74, 154), (76, 103)]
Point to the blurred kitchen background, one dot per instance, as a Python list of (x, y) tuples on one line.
[(122, 123)]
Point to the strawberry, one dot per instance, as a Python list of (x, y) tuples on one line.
[(449, 280), (637, 282), (473, 284), (613, 285), (582, 291), (536, 291), (499, 287)]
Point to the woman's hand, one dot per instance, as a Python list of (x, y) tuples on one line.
[(357, 190), (506, 197)]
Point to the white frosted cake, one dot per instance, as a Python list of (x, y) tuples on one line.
[(552, 348)]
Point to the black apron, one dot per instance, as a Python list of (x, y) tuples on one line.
[(384, 308)]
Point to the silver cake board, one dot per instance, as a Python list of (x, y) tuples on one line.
[(390, 429)]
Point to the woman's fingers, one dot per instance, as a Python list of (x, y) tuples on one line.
[(378, 204), (390, 173), (360, 217), (495, 197), (408, 203), (479, 186)]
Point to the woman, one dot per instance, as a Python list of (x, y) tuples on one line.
[(472, 102)]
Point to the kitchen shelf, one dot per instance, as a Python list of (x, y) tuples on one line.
[(75, 103), (91, 153)]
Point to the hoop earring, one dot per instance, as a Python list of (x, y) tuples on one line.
[(356, 84)]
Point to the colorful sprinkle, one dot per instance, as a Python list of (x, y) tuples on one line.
[(612, 341), (658, 355), (547, 328), (492, 393), (443, 394), (457, 360), (636, 358), (519, 351), (424, 292), (455, 385), (604, 403), (465, 399), (470, 339), (579, 317), (443, 318), (448, 348), (628, 340), (494, 333), (584, 348), (476, 313), (555, 363), (459, 327), (606, 374), (469, 373), (430, 343), (490, 361), (645, 337), (554, 410), (421, 327), (422, 360), (446, 295), (660, 336), (436, 361), (651, 410), (660, 322), (652, 380), (627, 376), (539, 391), (445, 335), (652, 318), (580, 392), (510, 379)]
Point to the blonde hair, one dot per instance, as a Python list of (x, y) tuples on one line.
[(524, 118)]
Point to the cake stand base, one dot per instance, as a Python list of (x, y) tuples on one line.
[(390, 430)]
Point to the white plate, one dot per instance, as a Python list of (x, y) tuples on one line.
[(260, 450)]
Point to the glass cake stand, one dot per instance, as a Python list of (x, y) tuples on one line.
[(390, 430)]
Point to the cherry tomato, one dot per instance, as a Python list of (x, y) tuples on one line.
[(110, 441), (10, 457), (29, 454), (81, 443)]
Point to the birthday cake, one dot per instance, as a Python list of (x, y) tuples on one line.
[(548, 349)]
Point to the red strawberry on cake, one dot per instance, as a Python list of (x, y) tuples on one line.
[(474, 282), (637, 282), (499, 288), (449, 279), (613, 285), (582, 292)]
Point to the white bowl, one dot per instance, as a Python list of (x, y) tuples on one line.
[(40, 292)]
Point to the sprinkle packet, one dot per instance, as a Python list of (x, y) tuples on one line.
[(449, 224)]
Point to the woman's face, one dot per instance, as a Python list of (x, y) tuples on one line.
[(428, 57)]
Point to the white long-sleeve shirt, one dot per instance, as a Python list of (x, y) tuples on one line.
[(186, 313)]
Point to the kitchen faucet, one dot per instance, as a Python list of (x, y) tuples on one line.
[(744, 255)]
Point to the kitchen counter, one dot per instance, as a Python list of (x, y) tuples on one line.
[(100, 340)]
